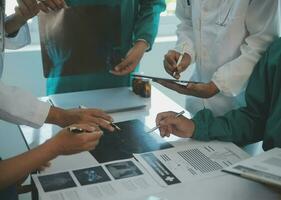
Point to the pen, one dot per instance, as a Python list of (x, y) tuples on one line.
[(156, 127), (76, 130), (111, 123)]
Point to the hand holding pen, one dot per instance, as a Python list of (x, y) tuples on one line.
[(174, 123), (176, 115), (175, 62), (109, 123)]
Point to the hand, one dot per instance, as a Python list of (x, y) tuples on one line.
[(132, 59), (45, 166), (26, 9), (66, 143), (201, 90), (93, 117), (169, 124), (170, 63), (54, 5)]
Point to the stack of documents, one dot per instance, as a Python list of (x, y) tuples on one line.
[(265, 168), (147, 173)]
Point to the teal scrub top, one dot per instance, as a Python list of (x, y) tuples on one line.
[(139, 20), (260, 119)]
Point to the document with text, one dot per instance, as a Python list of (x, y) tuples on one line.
[(265, 168), (189, 162), (118, 180)]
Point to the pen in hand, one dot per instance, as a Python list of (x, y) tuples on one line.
[(111, 123), (156, 127)]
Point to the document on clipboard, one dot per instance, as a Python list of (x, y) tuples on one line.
[(265, 168)]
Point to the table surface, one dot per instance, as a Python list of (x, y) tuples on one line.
[(223, 187)]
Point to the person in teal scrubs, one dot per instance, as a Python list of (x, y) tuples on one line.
[(259, 120), (139, 25)]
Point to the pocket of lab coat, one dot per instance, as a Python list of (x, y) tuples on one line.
[(228, 12)]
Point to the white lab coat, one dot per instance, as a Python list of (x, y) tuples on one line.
[(225, 39), (16, 105)]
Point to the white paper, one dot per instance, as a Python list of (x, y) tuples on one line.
[(195, 160), (265, 167), (123, 179)]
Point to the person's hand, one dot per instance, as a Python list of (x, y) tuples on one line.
[(170, 63), (93, 117), (54, 5), (45, 166), (66, 142), (26, 9), (170, 124), (201, 90), (132, 59)]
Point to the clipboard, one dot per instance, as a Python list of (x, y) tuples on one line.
[(164, 79)]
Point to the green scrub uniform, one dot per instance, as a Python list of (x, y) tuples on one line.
[(139, 20), (260, 120)]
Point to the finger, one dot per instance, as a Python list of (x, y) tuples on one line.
[(91, 146), (85, 127), (58, 4), (90, 137), (43, 7), (172, 61), (184, 63), (22, 7), (170, 65), (30, 5), (124, 71), (162, 131), (100, 114), (50, 4), (168, 68), (163, 115), (122, 65), (104, 124)]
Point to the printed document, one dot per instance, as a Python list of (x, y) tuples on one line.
[(194, 160), (118, 180)]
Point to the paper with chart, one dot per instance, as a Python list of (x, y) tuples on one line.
[(264, 168), (195, 160), (119, 180)]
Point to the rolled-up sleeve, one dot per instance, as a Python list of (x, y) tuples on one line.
[(19, 40), (262, 23), (20, 107), (147, 21)]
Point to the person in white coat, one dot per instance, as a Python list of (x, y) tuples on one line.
[(225, 39), (20, 107)]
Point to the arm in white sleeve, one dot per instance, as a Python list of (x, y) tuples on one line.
[(21, 39), (185, 43), (20, 107), (262, 23)]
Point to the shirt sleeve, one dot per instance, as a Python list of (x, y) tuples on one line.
[(262, 23), (147, 22), (185, 33), (247, 124), (21, 39), (20, 107)]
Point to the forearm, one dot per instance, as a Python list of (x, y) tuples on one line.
[(15, 169), (238, 126)]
